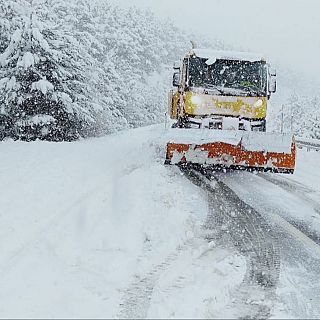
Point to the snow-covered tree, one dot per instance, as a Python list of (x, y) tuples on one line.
[(315, 118), (42, 83), (300, 115), (315, 128)]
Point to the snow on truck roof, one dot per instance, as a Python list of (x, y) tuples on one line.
[(213, 55)]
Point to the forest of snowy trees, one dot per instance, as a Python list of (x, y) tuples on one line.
[(80, 68), (299, 114)]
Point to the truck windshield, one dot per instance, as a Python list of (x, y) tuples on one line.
[(229, 77)]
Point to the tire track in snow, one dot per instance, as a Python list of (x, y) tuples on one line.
[(294, 187), (232, 219), (137, 298), (277, 217), (271, 255), (299, 245), (250, 235), (290, 224)]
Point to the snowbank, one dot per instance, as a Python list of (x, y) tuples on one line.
[(81, 222)]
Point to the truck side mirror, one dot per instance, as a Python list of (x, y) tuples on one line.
[(177, 64), (176, 79), (272, 86)]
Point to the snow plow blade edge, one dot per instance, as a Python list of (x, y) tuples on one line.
[(229, 156)]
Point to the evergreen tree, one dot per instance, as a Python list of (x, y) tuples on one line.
[(315, 128), (40, 78)]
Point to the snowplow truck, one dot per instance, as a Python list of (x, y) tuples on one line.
[(219, 109)]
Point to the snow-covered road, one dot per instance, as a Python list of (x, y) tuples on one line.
[(100, 228), (290, 204)]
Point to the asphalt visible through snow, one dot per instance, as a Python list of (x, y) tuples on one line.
[(292, 245), (231, 222)]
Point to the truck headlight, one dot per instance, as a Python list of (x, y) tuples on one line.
[(195, 99)]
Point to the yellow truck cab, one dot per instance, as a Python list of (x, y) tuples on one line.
[(221, 90)]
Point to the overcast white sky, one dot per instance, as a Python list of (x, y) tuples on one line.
[(287, 31)]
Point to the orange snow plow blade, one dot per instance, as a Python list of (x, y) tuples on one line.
[(235, 150)]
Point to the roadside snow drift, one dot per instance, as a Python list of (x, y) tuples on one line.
[(82, 223)]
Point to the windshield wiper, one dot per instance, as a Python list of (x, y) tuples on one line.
[(213, 87), (254, 91)]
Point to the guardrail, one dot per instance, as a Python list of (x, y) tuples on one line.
[(309, 144)]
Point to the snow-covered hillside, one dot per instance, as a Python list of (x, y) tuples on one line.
[(101, 228), (80, 222)]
